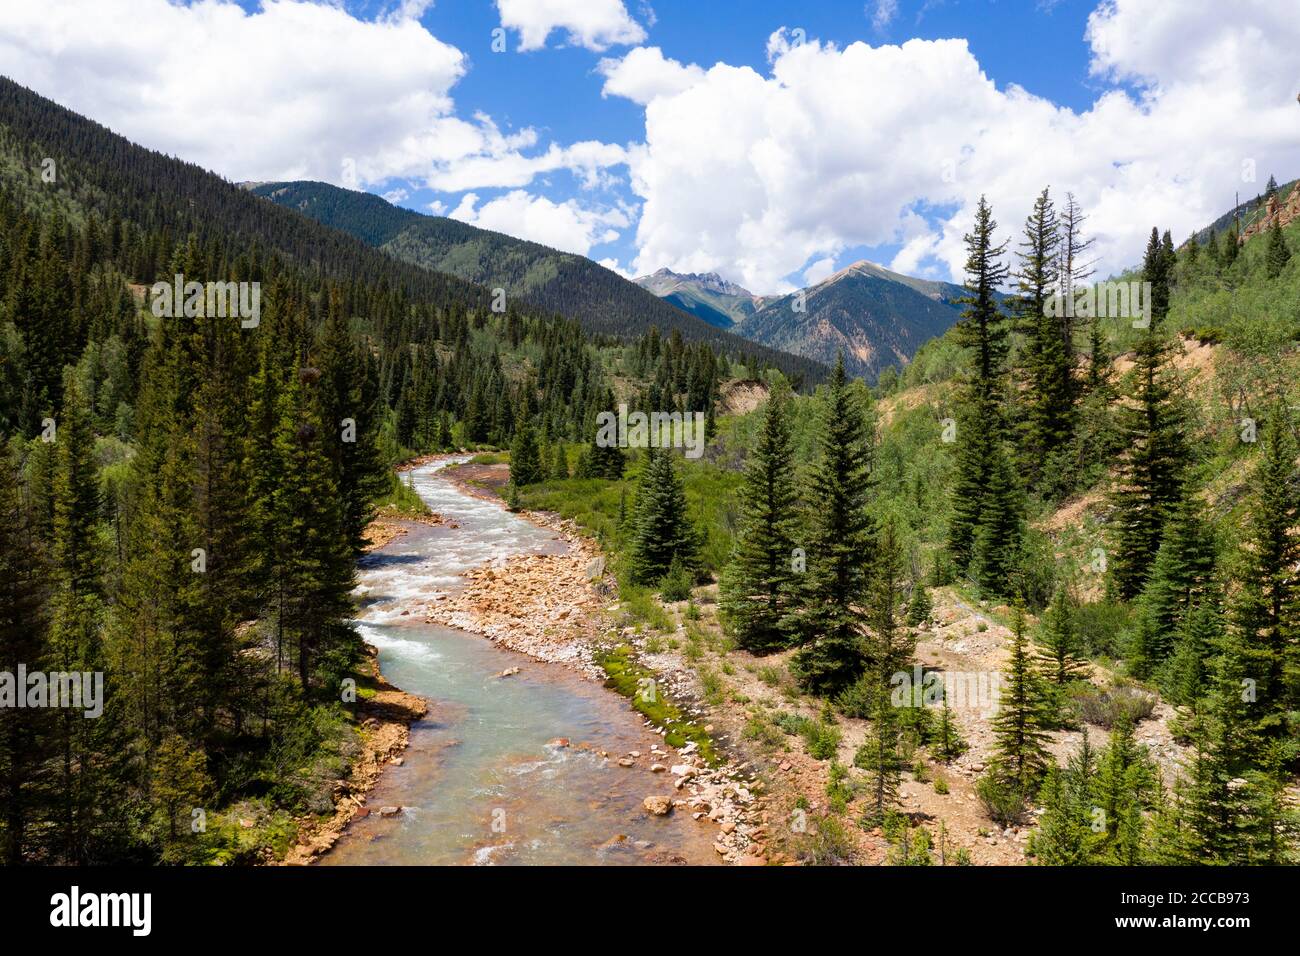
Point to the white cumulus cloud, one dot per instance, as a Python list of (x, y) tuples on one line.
[(293, 90), (594, 24), (645, 74), (763, 176), (566, 225)]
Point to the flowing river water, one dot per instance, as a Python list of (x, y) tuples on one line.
[(481, 781)]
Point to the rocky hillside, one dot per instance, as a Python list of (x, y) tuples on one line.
[(876, 317)]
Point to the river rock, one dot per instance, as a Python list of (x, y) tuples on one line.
[(657, 806), (389, 811)]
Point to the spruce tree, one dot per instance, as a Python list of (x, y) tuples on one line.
[(1277, 253), (995, 558), (1065, 835), (980, 426), (1149, 479), (880, 757), (840, 551), (1266, 614), (1060, 639), (1047, 426), (663, 527), (1020, 734), (525, 456), (1200, 632), (759, 582), (1180, 577), (1126, 780), (87, 750), (23, 622)]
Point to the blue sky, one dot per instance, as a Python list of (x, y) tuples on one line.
[(770, 141), (557, 91)]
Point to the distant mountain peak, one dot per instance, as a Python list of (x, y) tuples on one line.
[(707, 281), (876, 316)]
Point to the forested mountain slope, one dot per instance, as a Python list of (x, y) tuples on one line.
[(603, 301)]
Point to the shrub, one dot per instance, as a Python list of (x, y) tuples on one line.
[(1100, 628), (676, 584), (1003, 802), (1103, 706), (823, 739), (826, 842)]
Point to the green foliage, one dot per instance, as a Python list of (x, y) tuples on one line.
[(759, 586), (1020, 726), (840, 540), (663, 527)]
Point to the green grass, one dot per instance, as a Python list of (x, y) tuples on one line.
[(627, 676), (402, 499)]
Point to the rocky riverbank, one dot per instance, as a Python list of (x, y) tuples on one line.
[(384, 718), (553, 607)]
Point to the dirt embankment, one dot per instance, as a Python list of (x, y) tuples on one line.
[(384, 718)]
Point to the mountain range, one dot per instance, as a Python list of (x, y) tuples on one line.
[(600, 299), (876, 317)]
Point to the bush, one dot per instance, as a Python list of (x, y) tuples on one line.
[(676, 584), (1103, 706), (826, 842), (1003, 802), (823, 740), (1100, 627)]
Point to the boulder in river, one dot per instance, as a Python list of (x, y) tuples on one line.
[(657, 805)]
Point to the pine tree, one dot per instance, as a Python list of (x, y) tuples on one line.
[(840, 549), (982, 331), (1180, 577), (663, 525), (1066, 834), (1185, 677), (525, 456), (352, 417), (759, 582), (1126, 780), (1149, 481), (996, 554), (1047, 426), (880, 757), (86, 749), (23, 622), (1232, 812), (1060, 638), (1020, 725), (1277, 253), (892, 643), (1266, 615), (920, 607), (1073, 269)]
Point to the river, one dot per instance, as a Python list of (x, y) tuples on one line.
[(483, 781)]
